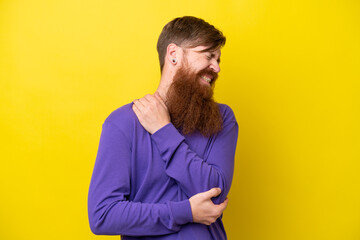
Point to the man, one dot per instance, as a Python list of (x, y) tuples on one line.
[(165, 162)]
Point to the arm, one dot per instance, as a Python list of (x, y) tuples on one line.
[(110, 211), (193, 173)]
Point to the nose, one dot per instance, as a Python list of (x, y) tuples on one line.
[(215, 66)]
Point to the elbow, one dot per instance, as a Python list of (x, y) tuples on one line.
[(97, 216), (95, 230), (95, 227), (93, 220), (101, 223), (96, 222), (104, 217), (98, 227)]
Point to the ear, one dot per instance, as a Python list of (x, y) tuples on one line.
[(173, 54)]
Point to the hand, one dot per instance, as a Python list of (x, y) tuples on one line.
[(151, 112), (203, 209)]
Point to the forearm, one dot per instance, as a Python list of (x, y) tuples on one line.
[(138, 219)]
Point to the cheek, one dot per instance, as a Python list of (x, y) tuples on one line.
[(199, 65)]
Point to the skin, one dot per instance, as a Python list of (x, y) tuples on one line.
[(153, 115)]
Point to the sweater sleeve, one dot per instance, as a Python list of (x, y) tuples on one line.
[(193, 173), (109, 209)]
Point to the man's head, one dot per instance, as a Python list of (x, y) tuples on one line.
[(188, 32), (189, 53)]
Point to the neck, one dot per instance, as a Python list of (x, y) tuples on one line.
[(165, 82)]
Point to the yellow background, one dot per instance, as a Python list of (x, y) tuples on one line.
[(290, 71)]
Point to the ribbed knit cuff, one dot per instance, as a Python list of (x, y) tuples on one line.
[(181, 212), (167, 139)]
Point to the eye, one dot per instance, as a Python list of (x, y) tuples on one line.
[(208, 57)]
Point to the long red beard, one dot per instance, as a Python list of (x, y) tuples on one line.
[(191, 105)]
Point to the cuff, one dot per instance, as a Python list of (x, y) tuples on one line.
[(167, 140), (181, 212)]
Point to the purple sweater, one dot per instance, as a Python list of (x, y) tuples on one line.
[(141, 183)]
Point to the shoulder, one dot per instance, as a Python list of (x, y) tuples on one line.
[(123, 118), (227, 113)]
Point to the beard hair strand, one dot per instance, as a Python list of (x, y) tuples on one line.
[(191, 105)]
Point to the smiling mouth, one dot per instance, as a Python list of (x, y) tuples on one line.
[(206, 79)]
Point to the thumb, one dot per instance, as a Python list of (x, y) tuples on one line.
[(213, 192)]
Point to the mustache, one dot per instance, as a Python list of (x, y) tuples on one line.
[(210, 73)]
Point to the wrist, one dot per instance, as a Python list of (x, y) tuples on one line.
[(160, 126)]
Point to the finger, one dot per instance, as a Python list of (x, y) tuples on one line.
[(223, 205), (213, 192), (144, 102), (147, 99), (140, 105), (136, 110), (138, 102), (150, 98), (155, 100), (157, 95)]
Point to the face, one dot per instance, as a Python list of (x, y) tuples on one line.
[(190, 96), (207, 62)]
